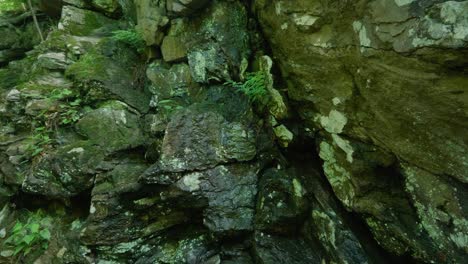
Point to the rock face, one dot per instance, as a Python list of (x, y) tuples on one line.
[(228, 132), (381, 82)]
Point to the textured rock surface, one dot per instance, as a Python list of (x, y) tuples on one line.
[(240, 132), (382, 79)]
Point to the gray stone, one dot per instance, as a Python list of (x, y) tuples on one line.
[(53, 61), (112, 126), (272, 249), (151, 20), (185, 7), (173, 49), (197, 139), (81, 22)]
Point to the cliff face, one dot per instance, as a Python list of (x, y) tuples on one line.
[(197, 131)]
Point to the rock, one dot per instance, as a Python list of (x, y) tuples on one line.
[(107, 218), (281, 202), (339, 241), (195, 248), (361, 178), (151, 20), (380, 94), (197, 139), (53, 61), (283, 135), (185, 7), (271, 249), (106, 78), (167, 83), (77, 3), (109, 7), (81, 22), (112, 127), (216, 41), (439, 206), (230, 191), (36, 107), (173, 49), (66, 172)]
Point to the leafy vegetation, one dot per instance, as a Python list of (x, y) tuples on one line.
[(31, 235), (254, 86), (10, 5), (130, 37), (65, 110)]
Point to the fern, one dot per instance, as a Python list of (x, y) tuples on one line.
[(254, 86), (130, 37)]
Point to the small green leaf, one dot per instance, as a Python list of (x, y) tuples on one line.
[(34, 227), (45, 234), (28, 239), (18, 249), (18, 226), (27, 250)]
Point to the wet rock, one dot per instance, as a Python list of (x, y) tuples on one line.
[(230, 191), (64, 172), (105, 77), (81, 22), (216, 41), (373, 94), (363, 181), (168, 82), (281, 202), (185, 7), (197, 139), (112, 126), (270, 249), (151, 20), (109, 7), (173, 49), (108, 216), (439, 206), (195, 248)]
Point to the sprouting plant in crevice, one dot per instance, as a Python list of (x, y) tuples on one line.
[(31, 235), (254, 86), (130, 37), (64, 110)]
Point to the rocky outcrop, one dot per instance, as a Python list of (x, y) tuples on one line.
[(177, 131), (381, 86)]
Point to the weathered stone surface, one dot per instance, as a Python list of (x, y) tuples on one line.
[(168, 82), (81, 22), (216, 41), (65, 172), (110, 7), (173, 49), (185, 7), (112, 126), (197, 139), (103, 72), (281, 202), (230, 191), (378, 72), (151, 20), (53, 61), (270, 249)]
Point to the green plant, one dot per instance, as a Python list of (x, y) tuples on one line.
[(34, 234), (65, 111), (39, 141), (130, 37), (254, 86)]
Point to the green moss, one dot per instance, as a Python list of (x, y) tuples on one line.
[(92, 66), (130, 37)]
